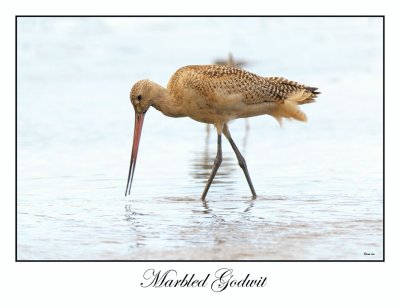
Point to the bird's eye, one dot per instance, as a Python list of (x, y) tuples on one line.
[(139, 97)]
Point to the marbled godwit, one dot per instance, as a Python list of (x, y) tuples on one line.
[(230, 61), (216, 94)]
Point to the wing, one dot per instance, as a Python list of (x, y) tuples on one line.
[(225, 88), (214, 81)]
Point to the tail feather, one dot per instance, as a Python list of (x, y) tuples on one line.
[(302, 96), (293, 94), (290, 107), (289, 110), (288, 88), (313, 90)]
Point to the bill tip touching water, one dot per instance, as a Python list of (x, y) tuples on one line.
[(217, 94)]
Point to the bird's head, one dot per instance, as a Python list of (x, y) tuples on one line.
[(142, 96)]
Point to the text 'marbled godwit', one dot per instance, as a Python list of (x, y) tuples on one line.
[(216, 94)]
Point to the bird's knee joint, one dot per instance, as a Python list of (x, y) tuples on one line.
[(218, 161)]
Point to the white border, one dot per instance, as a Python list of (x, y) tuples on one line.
[(117, 284)]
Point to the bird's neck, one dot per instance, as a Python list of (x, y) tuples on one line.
[(166, 103)]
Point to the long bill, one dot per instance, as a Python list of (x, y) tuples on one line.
[(139, 119)]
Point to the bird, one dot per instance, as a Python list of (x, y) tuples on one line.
[(230, 61), (217, 94)]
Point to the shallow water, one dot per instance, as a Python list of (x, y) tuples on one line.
[(319, 184)]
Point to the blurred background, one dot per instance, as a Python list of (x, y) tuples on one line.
[(319, 183)]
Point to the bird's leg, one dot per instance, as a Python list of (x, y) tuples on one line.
[(217, 163), (240, 158)]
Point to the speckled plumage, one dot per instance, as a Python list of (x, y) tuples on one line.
[(217, 94), (233, 80)]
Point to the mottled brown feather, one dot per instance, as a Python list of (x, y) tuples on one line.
[(225, 89), (233, 80), (217, 94)]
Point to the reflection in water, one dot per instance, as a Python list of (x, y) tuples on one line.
[(245, 138), (203, 162), (134, 218), (207, 209), (250, 203), (205, 223), (248, 209), (131, 215)]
